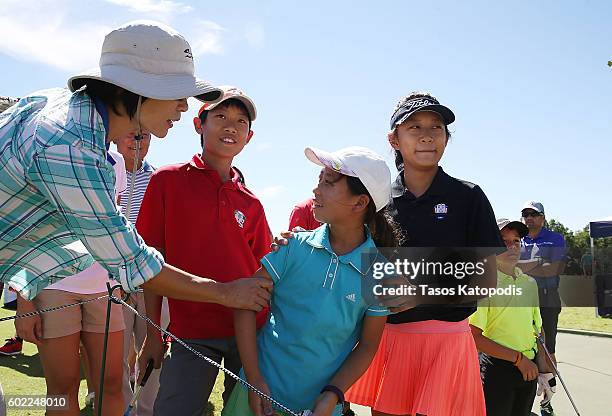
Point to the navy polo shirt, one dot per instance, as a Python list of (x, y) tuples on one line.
[(451, 213), (548, 245)]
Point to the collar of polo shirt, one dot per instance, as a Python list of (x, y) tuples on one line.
[(199, 163), (320, 239), (437, 187)]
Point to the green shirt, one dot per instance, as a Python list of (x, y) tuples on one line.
[(508, 319)]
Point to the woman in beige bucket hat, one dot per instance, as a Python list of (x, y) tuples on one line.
[(57, 182)]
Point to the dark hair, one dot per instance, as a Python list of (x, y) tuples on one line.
[(385, 232), (399, 161), (240, 175), (225, 104), (113, 95)]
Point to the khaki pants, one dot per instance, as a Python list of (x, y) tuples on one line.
[(135, 333), (90, 317)]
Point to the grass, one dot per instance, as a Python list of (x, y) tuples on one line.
[(22, 374), (583, 318)]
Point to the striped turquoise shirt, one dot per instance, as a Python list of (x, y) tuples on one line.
[(56, 189)]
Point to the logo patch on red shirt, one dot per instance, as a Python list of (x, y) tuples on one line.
[(240, 218)]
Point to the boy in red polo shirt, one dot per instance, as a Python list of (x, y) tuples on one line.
[(205, 221)]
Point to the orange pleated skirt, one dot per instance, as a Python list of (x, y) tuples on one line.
[(428, 367)]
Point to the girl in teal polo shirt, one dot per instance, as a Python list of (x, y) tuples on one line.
[(321, 334)]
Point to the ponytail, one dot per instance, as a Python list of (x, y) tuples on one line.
[(399, 159), (385, 232)]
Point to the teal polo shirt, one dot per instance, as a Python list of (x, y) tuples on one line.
[(316, 315)]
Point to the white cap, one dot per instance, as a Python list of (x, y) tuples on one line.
[(362, 163), (229, 92), (515, 225), (149, 59), (534, 205)]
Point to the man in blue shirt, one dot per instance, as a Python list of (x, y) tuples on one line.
[(543, 258)]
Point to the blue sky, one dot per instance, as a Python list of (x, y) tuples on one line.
[(528, 82)]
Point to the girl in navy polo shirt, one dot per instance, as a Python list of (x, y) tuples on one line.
[(427, 362), (322, 331)]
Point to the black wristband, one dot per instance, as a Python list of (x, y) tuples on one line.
[(336, 391)]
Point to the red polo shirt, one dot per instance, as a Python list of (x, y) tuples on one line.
[(302, 216), (210, 228)]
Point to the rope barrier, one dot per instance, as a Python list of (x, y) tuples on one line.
[(113, 299), (53, 309), (208, 360)]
